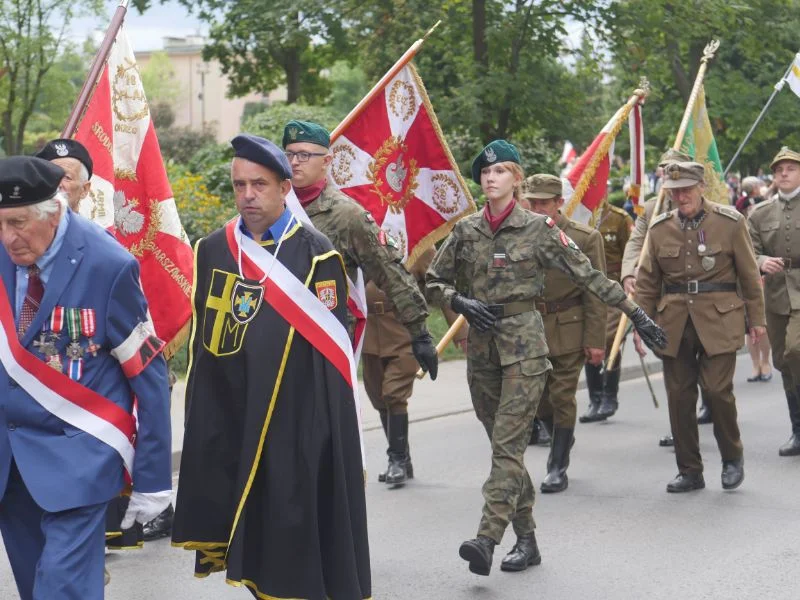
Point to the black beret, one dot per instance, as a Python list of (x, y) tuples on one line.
[(27, 180), (66, 148), (259, 150)]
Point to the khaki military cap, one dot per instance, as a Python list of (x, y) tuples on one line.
[(671, 156), (784, 153), (542, 186), (683, 174)]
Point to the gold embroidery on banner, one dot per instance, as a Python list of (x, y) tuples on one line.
[(127, 96), (148, 243), (125, 174), (401, 100), (102, 137), (444, 187), (98, 203), (396, 173), (343, 157)]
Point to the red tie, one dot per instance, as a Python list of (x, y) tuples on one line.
[(33, 298)]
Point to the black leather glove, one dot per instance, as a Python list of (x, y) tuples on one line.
[(651, 334), (476, 312), (425, 353)]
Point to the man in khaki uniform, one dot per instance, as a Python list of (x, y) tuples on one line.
[(775, 229), (614, 226), (390, 369), (696, 257), (574, 327)]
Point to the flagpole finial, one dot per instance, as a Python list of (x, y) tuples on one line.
[(431, 30), (643, 90), (710, 50)]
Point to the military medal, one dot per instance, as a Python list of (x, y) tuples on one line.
[(88, 329), (499, 260), (701, 237), (57, 322), (50, 350), (74, 350), (45, 346)]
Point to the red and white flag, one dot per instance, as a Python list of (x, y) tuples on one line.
[(636, 130), (391, 158), (594, 158), (568, 155), (131, 195)]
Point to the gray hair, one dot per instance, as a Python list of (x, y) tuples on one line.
[(83, 174), (43, 210), (752, 185)]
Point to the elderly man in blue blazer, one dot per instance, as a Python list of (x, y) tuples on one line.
[(77, 350)]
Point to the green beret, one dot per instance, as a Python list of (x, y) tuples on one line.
[(497, 151), (306, 131), (683, 174), (671, 156), (784, 153), (543, 186)]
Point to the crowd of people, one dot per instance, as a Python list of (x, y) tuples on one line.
[(272, 466)]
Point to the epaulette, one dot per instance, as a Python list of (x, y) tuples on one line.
[(764, 203), (617, 209), (729, 212), (662, 217), (581, 227)]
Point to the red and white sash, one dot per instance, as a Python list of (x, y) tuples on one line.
[(61, 396), (356, 293), (299, 307)]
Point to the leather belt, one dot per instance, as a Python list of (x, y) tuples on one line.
[(548, 308), (790, 263), (699, 287), (378, 308), (512, 308), (615, 267)]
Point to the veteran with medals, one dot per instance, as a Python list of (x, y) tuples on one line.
[(698, 256), (76, 346), (271, 485)]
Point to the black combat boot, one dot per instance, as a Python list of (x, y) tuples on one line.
[(161, 526), (594, 384), (397, 473), (556, 479), (385, 423), (478, 553), (704, 414), (792, 446), (524, 554), (686, 482), (610, 390), (540, 436)]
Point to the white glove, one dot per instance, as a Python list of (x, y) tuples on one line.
[(145, 507)]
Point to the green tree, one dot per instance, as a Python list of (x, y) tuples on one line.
[(30, 44), (664, 41), (158, 79)]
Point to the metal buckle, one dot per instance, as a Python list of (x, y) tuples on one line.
[(787, 263), (692, 287), (377, 308), (541, 307)]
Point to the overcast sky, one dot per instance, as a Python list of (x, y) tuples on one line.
[(145, 31)]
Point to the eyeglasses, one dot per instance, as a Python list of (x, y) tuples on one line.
[(302, 156)]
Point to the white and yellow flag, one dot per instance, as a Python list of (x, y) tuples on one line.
[(793, 75)]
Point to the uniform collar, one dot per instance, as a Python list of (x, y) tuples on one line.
[(695, 221), (518, 218)]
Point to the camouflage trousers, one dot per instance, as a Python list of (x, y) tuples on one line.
[(558, 400), (505, 398)]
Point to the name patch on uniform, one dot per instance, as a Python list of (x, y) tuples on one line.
[(499, 260), (326, 292)]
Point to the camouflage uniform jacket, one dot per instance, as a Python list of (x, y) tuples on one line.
[(583, 325), (508, 266), (355, 235)]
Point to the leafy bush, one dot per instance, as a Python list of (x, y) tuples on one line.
[(201, 211), (271, 121), (179, 144)]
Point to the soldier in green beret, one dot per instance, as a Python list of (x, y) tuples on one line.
[(777, 248), (362, 244), (490, 269)]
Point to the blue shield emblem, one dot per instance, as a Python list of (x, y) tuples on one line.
[(245, 301)]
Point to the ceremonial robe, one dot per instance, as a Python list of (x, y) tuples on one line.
[(271, 485)]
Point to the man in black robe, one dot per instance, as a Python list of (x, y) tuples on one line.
[(271, 484)]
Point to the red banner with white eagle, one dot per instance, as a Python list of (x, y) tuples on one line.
[(131, 195), (390, 156)]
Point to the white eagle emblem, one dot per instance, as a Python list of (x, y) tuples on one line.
[(396, 174), (61, 149), (126, 219), (15, 193), (490, 155)]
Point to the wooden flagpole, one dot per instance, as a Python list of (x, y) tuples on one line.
[(708, 54), (98, 64)]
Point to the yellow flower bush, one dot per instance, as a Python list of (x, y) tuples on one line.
[(201, 211)]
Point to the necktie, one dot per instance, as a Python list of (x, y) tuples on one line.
[(33, 298)]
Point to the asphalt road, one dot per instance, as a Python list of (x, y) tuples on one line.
[(615, 533)]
